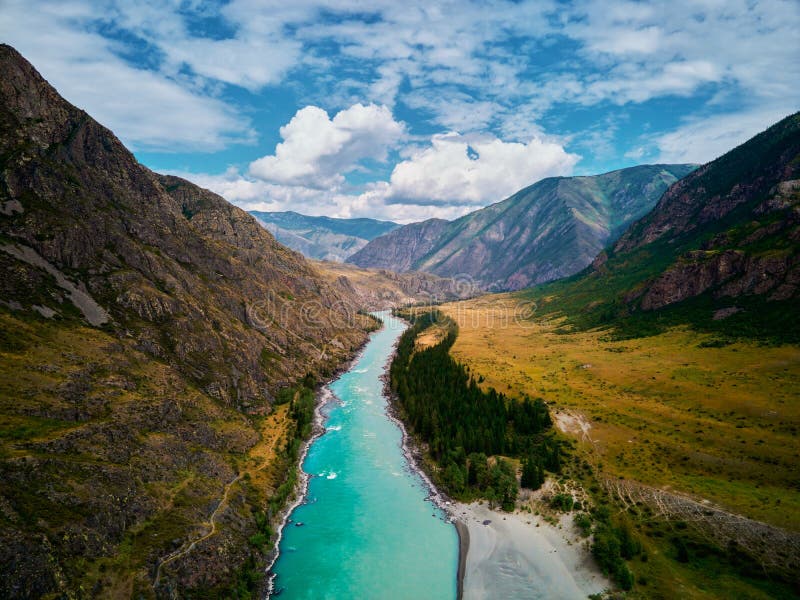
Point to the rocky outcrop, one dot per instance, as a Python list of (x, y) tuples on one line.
[(730, 273), (734, 226), (549, 230), (694, 275)]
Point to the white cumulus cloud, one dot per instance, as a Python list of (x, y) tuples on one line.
[(475, 170), (317, 151), (447, 177)]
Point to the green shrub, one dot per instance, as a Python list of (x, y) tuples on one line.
[(562, 502), (584, 523)]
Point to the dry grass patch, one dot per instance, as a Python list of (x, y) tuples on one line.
[(432, 336), (274, 431)]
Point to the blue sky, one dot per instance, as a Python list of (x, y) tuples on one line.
[(415, 109)]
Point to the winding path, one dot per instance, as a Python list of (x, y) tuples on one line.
[(211, 523)]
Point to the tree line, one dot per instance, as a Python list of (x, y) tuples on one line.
[(463, 425)]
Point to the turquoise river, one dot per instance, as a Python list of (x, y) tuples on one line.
[(367, 529)]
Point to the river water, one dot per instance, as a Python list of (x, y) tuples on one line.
[(367, 529)]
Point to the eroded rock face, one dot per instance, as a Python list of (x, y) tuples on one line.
[(401, 249), (737, 221), (144, 322), (691, 277)]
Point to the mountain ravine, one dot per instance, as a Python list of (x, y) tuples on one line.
[(549, 230), (148, 327)]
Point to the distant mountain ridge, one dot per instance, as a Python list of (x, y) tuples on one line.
[(322, 238), (401, 249), (551, 229)]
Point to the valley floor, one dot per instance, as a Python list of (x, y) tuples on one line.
[(674, 410)]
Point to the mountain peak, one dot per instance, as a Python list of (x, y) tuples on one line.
[(550, 229), (26, 94)]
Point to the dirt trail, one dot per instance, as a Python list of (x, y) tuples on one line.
[(211, 523)]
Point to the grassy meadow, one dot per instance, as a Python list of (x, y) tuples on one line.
[(675, 410), (668, 410)]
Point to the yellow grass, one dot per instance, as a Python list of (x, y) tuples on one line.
[(430, 337), (719, 423), (274, 432)]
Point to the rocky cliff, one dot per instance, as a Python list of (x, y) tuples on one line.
[(734, 225), (147, 326), (549, 230)]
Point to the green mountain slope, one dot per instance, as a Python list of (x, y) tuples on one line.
[(549, 230), (720, 250), (322, 238), (146, 328)]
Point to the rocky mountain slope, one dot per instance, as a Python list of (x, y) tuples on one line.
[(401, 249), (147, 325), (379, 289), (736, 222), (549, 230), (322, 238), (722, 245)]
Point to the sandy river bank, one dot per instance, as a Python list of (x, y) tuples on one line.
[(520, 555)]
